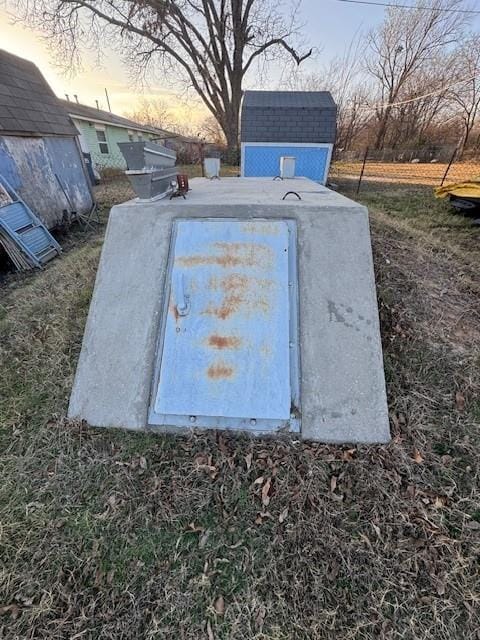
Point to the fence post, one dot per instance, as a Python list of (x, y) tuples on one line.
[(363, 169), (449, 165), (201, 152)]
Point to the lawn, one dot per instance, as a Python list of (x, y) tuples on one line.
[(114, 535)]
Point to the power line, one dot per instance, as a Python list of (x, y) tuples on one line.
[(409, 6), (417, 98)]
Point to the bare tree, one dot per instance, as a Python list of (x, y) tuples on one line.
[(211, 131), (413, 120), (465, 95), (153, 112), (209, 44), (406, 42), (343, 77)]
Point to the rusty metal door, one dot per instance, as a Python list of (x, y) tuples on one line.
[(228, 349)]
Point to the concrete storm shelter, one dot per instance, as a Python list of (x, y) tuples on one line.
[(298, 125), (237, 308)]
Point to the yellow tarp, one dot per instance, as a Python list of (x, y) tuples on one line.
[(469, 189)]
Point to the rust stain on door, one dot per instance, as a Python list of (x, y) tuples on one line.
[(220, 371)]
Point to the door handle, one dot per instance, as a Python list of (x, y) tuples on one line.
[(182, 299)]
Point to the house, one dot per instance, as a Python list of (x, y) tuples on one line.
[(40, 156), (298, 124), (101, 131)]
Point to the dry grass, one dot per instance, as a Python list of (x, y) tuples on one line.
[(112, 535), (424, 173)]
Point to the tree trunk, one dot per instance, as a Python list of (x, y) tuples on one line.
[(465, 139), (382, 130), (231, 131)]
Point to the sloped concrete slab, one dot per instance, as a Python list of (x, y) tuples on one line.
[(342, 384)]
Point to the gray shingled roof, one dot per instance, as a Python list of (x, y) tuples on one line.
[(289, 99), (288, 116), (28, 106), (84, 111)]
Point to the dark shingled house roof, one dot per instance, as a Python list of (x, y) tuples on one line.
[(28, 107), (92, 113), (288, 116)]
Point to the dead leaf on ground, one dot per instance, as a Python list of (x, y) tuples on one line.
[(258, 480), (263, 516), (219, 606), (473, 524), (283, 516), (265, 492), (440, 587), (12, 609), (417, 456), (333, 483), (260, 617), (203, 539), (460, 401), (248, 460), (209, 631)]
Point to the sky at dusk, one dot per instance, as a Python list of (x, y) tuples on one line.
[(329, 25)]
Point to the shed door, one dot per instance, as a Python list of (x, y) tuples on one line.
[(225, 357)]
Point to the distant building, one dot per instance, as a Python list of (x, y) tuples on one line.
[(101, 131), (294, 124), (40, 156)]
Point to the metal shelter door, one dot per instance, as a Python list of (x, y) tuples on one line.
[(227, 354)]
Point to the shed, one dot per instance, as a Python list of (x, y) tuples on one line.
[(40, 156), (299, 124)]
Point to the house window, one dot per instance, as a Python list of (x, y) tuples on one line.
[(140, 135), (131, 136), (102, 139)]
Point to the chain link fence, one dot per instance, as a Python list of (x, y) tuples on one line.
[(352, 172), (113, 187), (369, 170)]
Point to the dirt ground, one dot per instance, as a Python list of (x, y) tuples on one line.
[(112, 535)]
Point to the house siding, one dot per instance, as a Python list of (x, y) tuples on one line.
[(30, 164)]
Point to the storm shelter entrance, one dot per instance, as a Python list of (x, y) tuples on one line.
[(228, 349)]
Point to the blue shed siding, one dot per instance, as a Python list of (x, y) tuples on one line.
[(8, 168), (264, 161), (30, 165)]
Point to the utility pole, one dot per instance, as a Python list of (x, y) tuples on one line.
[(108, 100)]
